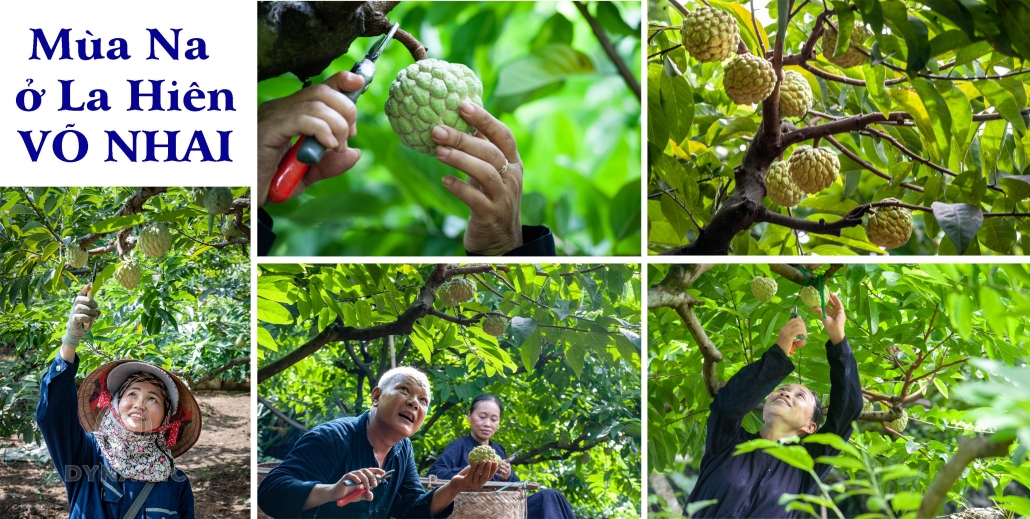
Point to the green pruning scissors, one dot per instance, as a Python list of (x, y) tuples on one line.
[(308, 151)]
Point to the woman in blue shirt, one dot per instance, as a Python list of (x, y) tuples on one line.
[(484, 417), (116, 454)]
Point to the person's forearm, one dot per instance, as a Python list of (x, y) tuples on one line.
[(442, 498), (67, 352), (835, 337), (320, 494)]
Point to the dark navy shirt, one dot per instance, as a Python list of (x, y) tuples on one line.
[(456, 457), (327, 452), (750, 485), (94, 490)]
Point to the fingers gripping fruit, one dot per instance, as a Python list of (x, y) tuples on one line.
[(128, 274), (495, 325), (810, 297), (709, 34), (77, 257), (155, 240), (889, 227), (795, 95), (813, 169), (748, 79), (781, 187), (763, 288), (852, 57), (426, 94), (483, 453), (900, 424)]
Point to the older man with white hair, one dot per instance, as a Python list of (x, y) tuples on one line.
[(313, 479)]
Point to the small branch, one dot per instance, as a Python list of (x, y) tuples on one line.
[(131, 206), (418, 52), (867, 165), (969, 449), (609, 49), (808, 51), (758, 34), (211, 375), (929, 326), (820, 227), (939, 368), (679, 7), (282, 416), (670, 49)]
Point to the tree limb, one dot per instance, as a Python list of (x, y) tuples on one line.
[(211, 375), (969, 449), (609, 49), (282, 416), (867, 165)]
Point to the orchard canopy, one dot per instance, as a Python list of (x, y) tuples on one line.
[(916, 110), (189, 308), (942, 352), (566, 366), (560, 75)]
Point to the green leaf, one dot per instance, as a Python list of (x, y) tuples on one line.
[(575, 354), (555, 62), (940, 387), (116, 223), (998, 234), (911, 103), (936, 105), (960, 222), (677, 102), (657, 126), (845, 26), (874, 81), (913, 31), (1004, 102), (272, 312)]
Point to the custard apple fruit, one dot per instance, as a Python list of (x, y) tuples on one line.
[(748, 79), (128, 274), (199, 194), (483, 453), (900, 424), (780, 186), (763, 288), (851, 57), (813, 169), (889, 227), (867, 406), (218, 200), (456, 291), (710, 34), (76, 257), (155, 240), (427, 94), (495, 325), (795, 95), (810, 297), (229, 230)]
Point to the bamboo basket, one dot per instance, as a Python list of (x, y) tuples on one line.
[(509, 503)]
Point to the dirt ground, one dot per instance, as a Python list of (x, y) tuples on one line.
[(218, 467)]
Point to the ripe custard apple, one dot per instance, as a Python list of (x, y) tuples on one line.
[(495, 325), (810, 297), (218, 200), (889, 227), (128, 274), (763, 288), (483, 453), (230, 231), (427, 94), (900, 424), (155, 240), (852, 57), (76, 257), (710, 34), (813, 169), (795, 95), (748, 79), (456, 291), (780, 186)]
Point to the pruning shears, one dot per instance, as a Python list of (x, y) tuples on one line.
[(516, 453), (360, 491), (800, 338), (307, 151)]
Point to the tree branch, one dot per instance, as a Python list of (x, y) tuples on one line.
[(969, 449), (211, 375), (609, 49), (282, 416), (867, 165), (820, 227), (131, 206)]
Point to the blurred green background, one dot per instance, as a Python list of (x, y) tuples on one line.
[(546, 77)]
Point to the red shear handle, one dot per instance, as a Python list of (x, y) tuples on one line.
[(288, 175), (353, 496)]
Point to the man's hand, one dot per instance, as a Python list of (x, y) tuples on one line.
[(322, 111), (84, 312), (474, 476), (494, 196), (793, 328), (834, 322)]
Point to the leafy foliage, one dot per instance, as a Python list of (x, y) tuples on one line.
[(546, 77), (567, 369), (953, 146), (914, 330), (190, 313)]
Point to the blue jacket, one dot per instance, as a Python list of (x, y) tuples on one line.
[(94, 491), (455, 457), (327, 452)]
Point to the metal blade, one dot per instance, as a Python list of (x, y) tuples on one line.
[(377, 49)]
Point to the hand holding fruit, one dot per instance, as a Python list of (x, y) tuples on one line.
[(84, 312), (493, 191), (322, 111), (474, 476)]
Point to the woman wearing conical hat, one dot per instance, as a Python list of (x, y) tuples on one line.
[(114, 443)]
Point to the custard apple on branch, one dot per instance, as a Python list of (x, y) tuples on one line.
[(709, 34), (763, 288), (852, 57), (889, 227), (155, 240), (795, 95), (128, 274), (748, 79), (427, 94), (813, 169), (900, 424), (810, 297), (781, 187), (495, 325), (76, 257)]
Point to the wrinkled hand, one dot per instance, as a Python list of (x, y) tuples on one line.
[(474, 476), (365, 477), (494, 197), (321, 111), (834, 322), (793, 328), (84, 312), (504, 470)]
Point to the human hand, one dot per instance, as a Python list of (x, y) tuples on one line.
[(834, 322), (366, 481), (504, 470), (493, 191), (793, 328), (84, 312), (322, 111), (474, 476)]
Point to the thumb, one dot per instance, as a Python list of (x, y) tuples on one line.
[(85, 290)]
